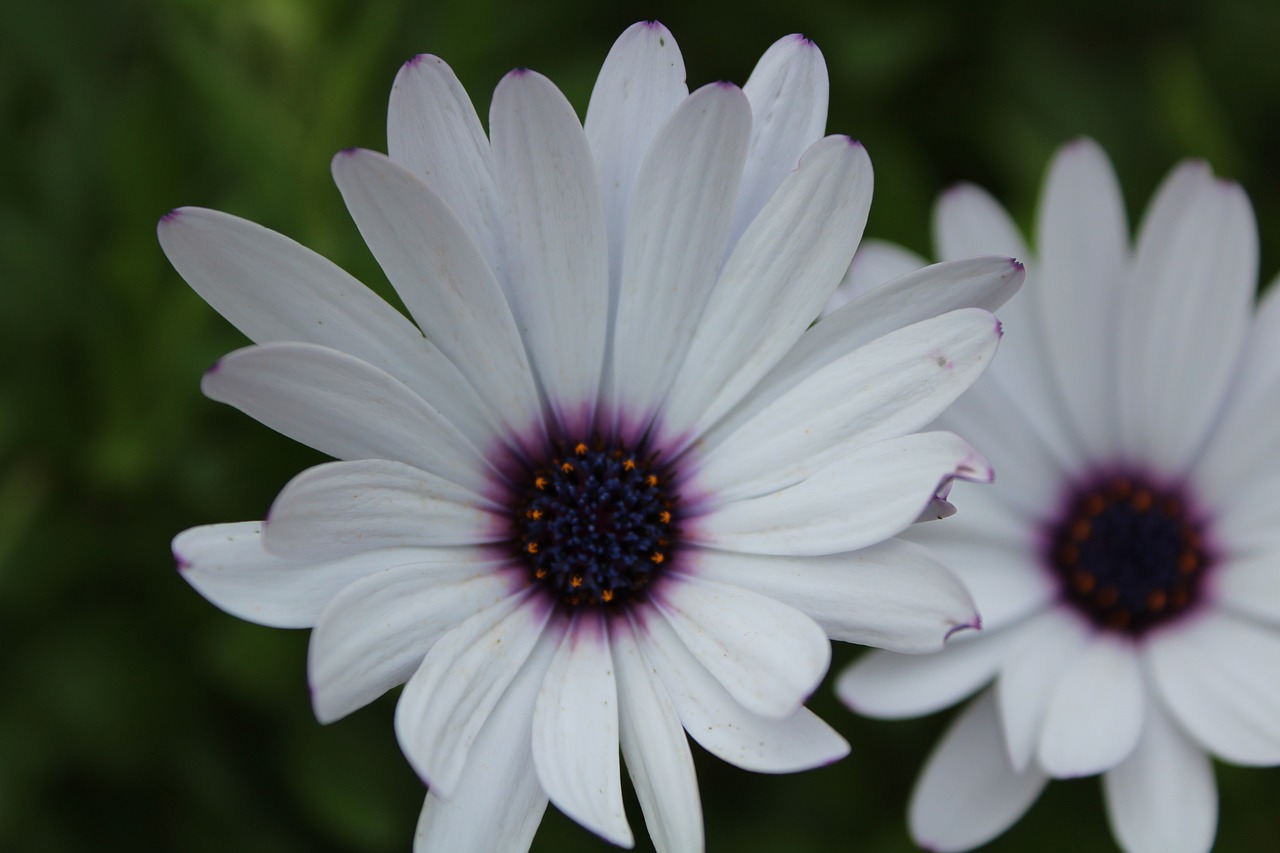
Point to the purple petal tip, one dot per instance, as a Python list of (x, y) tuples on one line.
[(654, 25), (171, 216), (975, 625), (214, 368), (180, 562), (999, 328), (349, 152), (517, 72), (1018, 265), (802, 39)]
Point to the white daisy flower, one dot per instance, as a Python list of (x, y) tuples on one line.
[(613, 490), (1127, 564)]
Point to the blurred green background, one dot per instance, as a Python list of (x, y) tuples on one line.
[(133, 714)]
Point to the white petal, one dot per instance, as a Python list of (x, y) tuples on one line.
[(890, 387), (274, 289), (917, 294), (1239, 470), (788, 92), (1032, 470), (968, 222), (446, 702), (769, 656), (557, 252), (1247, 521), (434, 132), (679, 222), (1163, 798), (774, 283), (575, 731), (1029, 675), (721, 725), (497, 803), (864, 497), (1259, 374), (1220, 677), (655, 748), (894, 595), (640, 85), (444, 280), (342, 508), (1185, 314), (875, 263), (1084, 247), (227, 565), (1095, 715), (1249, 585), (967, 793), (375, 632), (1001, 568), (891, 685), (344, 407)]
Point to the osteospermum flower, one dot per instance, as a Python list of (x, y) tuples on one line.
[(608, 489), (1127, 564)]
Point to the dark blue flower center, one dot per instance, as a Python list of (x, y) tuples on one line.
[(596, 523), (1129, 554)]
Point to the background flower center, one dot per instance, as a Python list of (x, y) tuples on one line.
[(595, 523), (1128, 554)]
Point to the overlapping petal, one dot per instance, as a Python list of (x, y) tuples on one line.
[(1163, 797), (894, 595), (773, 284), (227, 564), (864, 497), (640, 84), (769, 656), (446, 702), (788, 93), (1184, 314), (374, 633), (343, 508), (444, 280), (887, 388), (434, 132), (967, 793), (497, 802), (556, 248), (346, 408), (655, 747), (575, 730), (721, 725), (1211, 673), (677, 228)]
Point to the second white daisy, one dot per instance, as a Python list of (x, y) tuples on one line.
[(1127, 564)]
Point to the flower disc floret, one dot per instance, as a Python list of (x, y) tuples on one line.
[(595, 524), (1129, 554)]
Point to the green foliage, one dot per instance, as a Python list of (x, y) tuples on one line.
[(136, 716)]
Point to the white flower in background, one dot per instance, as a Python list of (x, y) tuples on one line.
[(617, 491), (1127, 564)]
